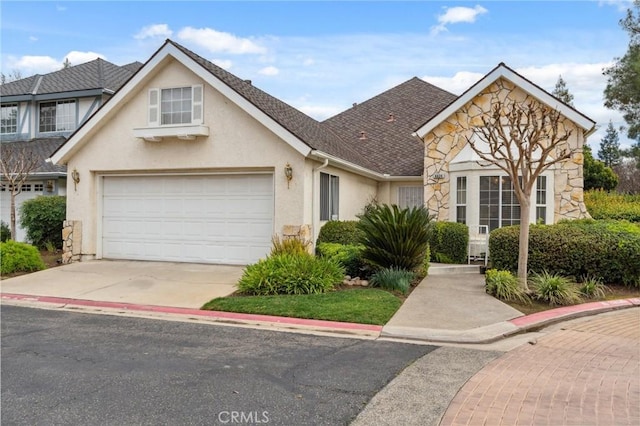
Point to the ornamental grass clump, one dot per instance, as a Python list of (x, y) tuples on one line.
[(554, 289), (289, 245), (290, 274), (593, 288), (393, 279), (504, 286)]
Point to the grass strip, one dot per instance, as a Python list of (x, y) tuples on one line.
[(363, 306)]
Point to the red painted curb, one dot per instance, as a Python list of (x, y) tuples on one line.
[(196, 312), (558, 313)]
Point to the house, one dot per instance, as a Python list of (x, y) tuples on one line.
[(38, 113), (189, 163)]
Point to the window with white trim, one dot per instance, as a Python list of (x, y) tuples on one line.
[(499, 205), (57, 116), (541, 200), (410, 196), (9, 118), (176, 106), (329, 196), (461, 199), (38, 187)]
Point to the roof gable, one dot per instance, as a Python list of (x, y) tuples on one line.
[(300, 131), (503, 71)]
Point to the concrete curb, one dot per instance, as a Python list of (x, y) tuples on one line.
[(486, 334)]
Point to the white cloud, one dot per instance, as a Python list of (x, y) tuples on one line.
[(223, 63), (33, 38), (154, 31), (29, 65), (308, 62), (457, 84), (217, 41), (60, 8), (270, 70), (456, 15), (77, 58), (621, 5)]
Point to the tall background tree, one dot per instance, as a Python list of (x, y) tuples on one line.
[(609, 151), (596, 174), (524, 139), (623, 77), (561, 91)]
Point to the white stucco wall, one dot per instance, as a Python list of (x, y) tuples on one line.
[(237, 143)]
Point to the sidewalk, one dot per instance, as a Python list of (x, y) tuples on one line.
[(444, 308)]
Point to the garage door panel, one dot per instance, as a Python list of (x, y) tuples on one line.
[(214, 219)]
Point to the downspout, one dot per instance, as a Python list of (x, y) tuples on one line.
[(314, 221)]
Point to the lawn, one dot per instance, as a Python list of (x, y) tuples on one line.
[(359, 305)]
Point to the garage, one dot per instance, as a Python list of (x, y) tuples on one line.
[(226, 219)]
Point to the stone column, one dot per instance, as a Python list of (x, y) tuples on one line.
[(71, 241)]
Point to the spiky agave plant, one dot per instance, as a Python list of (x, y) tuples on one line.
[(395, 237)]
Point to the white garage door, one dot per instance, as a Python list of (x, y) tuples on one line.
[(206, 219)]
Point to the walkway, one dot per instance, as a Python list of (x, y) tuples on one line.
[(587, 373)]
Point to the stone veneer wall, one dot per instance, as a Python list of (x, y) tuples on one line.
[(302, 232), (71, 241), (446, 141)]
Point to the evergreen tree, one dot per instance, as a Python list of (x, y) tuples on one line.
[(562, 92), (66, 63), (610, 147), (596, 174), (623, 77)]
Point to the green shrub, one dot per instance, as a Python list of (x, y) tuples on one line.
[(554, 289), (289, 246), (504, 286), (5, 232), (393, 279), (394, 237), (19, 257), (341, 232), (593, 288), (423, 271), (347, 255), (42, 218), (607, 250), (449, 242), (611, 205), (290, 274)]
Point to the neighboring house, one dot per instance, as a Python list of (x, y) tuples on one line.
[(189, 163), (38, 113)]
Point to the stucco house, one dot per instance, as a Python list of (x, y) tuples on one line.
[(189, 163), (38, 113)]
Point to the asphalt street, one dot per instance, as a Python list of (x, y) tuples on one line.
[(77, 368)]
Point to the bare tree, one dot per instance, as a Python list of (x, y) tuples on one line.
[(12, 76), (523, 139), (16, 165)]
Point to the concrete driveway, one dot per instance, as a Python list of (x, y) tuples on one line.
[(184, 285)]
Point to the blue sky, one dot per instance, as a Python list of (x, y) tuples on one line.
[(322, 56)]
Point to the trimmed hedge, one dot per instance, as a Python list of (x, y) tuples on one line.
[(611, 205), (606, 250), (347, 255), (42, 217), (341, 232), (19, 257), (449, 242)]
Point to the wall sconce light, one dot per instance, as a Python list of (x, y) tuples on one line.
[(75, 175), (288, 172), (50, 186)]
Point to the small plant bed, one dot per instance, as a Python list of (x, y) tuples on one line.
[(358, 305)]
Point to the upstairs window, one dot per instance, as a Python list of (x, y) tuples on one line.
[(175, 106), (329, 196), (57, 116), (9, 118)]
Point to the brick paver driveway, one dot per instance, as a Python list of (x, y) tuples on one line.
[(587, 373)]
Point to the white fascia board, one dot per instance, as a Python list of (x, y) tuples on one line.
[(502, 71), (63, 154)]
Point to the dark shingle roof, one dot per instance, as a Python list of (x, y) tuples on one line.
[(389, 143), (96, 74), (308, 130), (41, 147)]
